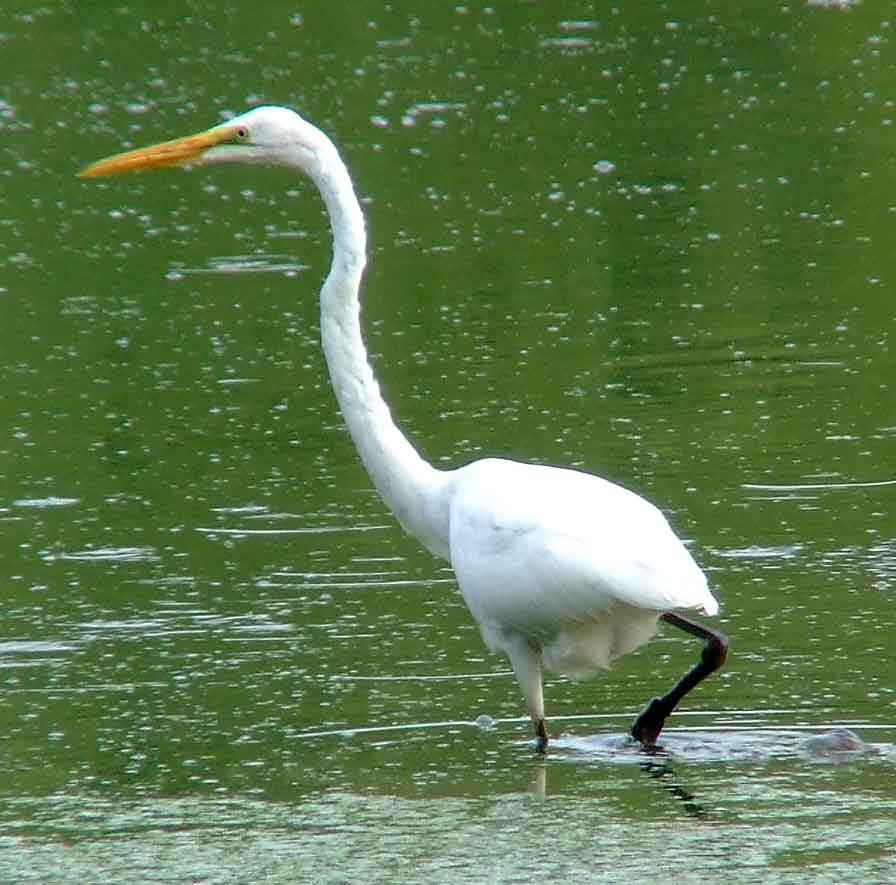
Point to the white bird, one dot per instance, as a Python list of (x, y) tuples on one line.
[(562, 570)]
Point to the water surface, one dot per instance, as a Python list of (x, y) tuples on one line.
[(652, 243)]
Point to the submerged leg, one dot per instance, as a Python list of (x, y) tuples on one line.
[(650, 723)]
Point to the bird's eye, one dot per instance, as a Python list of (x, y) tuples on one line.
[(242, 133)]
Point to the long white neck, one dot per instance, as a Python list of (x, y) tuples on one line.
[(412, 488)]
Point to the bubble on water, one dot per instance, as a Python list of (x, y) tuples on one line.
[(485, 722)]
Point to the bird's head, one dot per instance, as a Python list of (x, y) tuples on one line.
[(270, 135)]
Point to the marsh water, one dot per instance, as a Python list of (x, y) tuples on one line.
[(654, 241)]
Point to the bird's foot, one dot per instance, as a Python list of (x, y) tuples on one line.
[(649, 724), (541, 737)]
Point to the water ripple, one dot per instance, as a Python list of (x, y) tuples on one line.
[(302, 530), (233, 264), (817, 486), (784, 551), (108, 554), (46, 503)]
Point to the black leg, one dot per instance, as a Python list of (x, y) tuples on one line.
[(650, 723), (541, 737)]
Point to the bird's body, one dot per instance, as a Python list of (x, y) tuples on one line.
[(543, 551), (561, 569)]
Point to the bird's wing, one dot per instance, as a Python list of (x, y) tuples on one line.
[(537, 547)]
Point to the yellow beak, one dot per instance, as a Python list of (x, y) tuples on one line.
[(180, 152)]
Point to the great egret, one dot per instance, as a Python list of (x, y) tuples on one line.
[(561, 569)]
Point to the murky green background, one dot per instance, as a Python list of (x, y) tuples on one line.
[(653, 240)]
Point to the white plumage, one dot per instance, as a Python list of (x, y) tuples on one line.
[(561, 569), (564, 568)]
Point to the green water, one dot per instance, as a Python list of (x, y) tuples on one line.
[(654, 242)]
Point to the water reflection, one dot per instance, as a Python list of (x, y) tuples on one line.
[(662, 773)]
